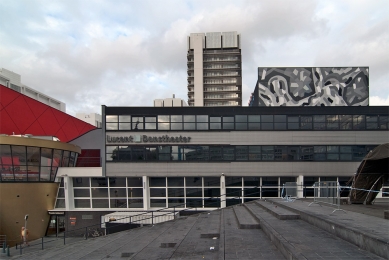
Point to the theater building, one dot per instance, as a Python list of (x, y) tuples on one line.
[(157, 157)]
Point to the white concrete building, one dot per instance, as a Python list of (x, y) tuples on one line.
[(13, 81), (91, 118), (170, 102), (214, 69)]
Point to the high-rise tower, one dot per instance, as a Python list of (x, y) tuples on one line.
[(214, 69)]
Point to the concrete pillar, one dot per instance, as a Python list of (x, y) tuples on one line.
[(146, 193), (300, 182), (223, 191), (69, 196)]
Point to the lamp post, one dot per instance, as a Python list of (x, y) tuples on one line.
[(25, 221)]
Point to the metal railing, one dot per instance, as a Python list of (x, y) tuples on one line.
[(151, 217), (328, 193)]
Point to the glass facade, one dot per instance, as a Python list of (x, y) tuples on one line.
[(196, 153), (246, 122), (32, 164)]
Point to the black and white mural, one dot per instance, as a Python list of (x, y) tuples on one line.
[(313, 86)]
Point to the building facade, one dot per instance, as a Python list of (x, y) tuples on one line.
[(311, 86), (12, 80), (214, 69), (206, 158)]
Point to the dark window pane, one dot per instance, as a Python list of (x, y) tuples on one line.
[(175, 181), (194, 192), (269, 181), (99, 182), (211, 192), (134, 182), (117, 182), (241, 153), (345, 122), (157, 203), (99, 192), (233, 181), (135, 203), (193, 181), (157, 192), (81, 182), (176, 203), (212, 181), (157, 181), (251, 181), (82, 203), (100, 203), (306, 122), (176, 192), (135, 192), (119, 203), (252, 192), (81, 193), (116, 192)]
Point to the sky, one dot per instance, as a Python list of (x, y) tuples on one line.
[(128, 53)]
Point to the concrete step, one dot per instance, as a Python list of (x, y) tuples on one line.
[(244, 218), (278, 212), (299, 240), (366, 232)]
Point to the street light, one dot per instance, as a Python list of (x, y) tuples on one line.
[(25, 221)]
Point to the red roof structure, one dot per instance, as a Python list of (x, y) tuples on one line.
[(20, 114)]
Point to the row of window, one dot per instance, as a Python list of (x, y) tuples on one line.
[(237, 153), (28, 163), (247, 122), (180, 191)]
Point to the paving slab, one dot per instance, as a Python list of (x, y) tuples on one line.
[(244, 218), (297, 239), (367, 232), (245, 243), (275, 210)]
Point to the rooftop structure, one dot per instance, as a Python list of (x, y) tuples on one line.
[(12, 80)]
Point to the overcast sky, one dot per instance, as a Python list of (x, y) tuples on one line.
[(128, 53)]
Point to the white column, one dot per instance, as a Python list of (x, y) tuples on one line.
[(300, 182), (223, 191), (146, 193), (69, 198)]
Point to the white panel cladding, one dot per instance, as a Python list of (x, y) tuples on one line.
[(265, 137), (213, 40), (230, 39), (263, 168), (197, 43), (194, 37)]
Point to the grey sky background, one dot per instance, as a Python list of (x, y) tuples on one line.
[(128, 53)]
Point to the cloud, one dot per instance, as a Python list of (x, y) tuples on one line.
[(129, 53), (378, 101)]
